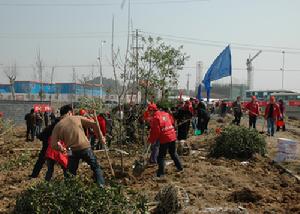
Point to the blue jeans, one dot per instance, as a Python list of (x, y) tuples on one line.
[(194, 122), (89, 157), (270, 124), (38, 129)]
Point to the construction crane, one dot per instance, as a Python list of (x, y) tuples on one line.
[(250, 82)]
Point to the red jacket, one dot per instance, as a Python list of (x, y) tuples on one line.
[(253, 108), (162, 128), (102, 124), (147, 117), (59, 157), (276, 111)]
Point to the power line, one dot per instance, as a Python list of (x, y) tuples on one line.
[(58, 35), (245, 69), (88, 4), (62, 66), (213, 43), (222, 42)]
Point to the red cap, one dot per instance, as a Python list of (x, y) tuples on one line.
[(152, 107), (82, 112)]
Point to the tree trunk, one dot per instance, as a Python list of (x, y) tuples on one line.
[(12, 88)]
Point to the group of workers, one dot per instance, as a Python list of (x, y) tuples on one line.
[(273, 114), (71, 138), (35, 121), (68, 139), (66, 142)]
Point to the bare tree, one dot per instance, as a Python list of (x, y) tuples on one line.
[(11, 74)]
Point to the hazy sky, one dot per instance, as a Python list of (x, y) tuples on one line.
[(71, 34)]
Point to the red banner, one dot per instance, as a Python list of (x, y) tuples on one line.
[(41, 107), (294, 103)]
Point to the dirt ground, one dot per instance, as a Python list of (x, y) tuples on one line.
[(212, 185)]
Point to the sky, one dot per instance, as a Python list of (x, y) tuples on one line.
[(68, 34)]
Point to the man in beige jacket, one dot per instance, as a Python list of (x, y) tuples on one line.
[(70, 130)]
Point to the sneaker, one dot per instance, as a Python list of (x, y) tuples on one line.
[(158, 178), (179, 170), (32, 176)]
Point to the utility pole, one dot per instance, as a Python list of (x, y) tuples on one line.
[(282, 69), (100, 69), (92, 81), (75, 87), (136, 48), (52, 74), (188, 84)]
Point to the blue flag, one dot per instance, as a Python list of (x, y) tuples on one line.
[(220, 68)]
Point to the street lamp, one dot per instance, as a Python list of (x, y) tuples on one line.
[(100, 68)]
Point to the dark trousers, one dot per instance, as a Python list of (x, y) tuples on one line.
[(95, 145), (202, 124), (30, 130), (237, 119), (171, 148), (252, 121), (154, 152), (40, 161), (49, 173), (183, 130), (89, 157)]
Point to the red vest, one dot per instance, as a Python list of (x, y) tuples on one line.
[(102, 124), (162, 128), (276, 111), (253, 108), (56, 155)]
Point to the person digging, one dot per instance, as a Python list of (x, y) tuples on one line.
[(70, 130), (162, 129)]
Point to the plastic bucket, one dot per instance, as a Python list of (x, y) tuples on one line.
[(197, 132), (280, 123)]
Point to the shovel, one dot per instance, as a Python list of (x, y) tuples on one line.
[(139, 166)]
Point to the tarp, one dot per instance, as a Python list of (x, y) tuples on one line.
[(221, 67)]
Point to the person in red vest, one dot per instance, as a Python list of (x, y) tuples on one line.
[(162, 129), (253, 109), (280, 121), (54, 156), (102, 124), (272, 112)]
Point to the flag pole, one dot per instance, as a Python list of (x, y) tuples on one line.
[(231, 87)]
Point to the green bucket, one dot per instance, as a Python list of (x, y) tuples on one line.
[(197, 132)]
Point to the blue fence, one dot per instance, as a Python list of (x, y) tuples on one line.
[(5, 89), (28, 87)]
